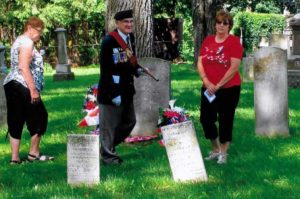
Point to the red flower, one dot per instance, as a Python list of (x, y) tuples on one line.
[(170, 114), (90, 105)]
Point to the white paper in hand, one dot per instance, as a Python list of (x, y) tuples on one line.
[(210, 98)]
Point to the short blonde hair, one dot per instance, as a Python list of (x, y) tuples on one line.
[(34, 22)]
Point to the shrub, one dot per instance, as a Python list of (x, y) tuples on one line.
[(256, 25)]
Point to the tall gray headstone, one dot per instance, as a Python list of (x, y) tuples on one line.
[(3, 110), (151, 95), (63, 68), (184, 152), (3, 67), (3, 71), (271, 92), (294, 55), (83, 156), (295, 24), (248, 69)]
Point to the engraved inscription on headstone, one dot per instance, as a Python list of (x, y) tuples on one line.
[(83, 159), (184, 152), (270, 92), (151, 95)]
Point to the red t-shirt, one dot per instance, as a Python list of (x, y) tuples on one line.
[(216, 58)]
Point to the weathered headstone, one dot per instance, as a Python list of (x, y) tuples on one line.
[(248, 69), (264, 41), (151, 95), (3, 68), (63, 68), (184, 152), (294, 78), (3, 110), (293, 62), (3, 71), (295, 24), (83, 159), (279, 41), (270, 92)]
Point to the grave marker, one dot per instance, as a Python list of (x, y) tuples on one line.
[(83, 153), (184, 152)]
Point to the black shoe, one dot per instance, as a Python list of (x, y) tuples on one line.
[(116, 161)]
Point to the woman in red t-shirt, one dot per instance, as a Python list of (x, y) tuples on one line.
[(219, 59)]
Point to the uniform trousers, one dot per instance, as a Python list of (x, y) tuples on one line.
[(222, 109), (116, 123)]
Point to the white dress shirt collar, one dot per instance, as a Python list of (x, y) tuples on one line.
[(124, 37)]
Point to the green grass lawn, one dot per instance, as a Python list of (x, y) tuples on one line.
[(258, 167)]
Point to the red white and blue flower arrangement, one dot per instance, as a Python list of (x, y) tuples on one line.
[(91, 108), (171, 115)]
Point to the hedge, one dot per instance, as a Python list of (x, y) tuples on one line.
[(256, 25)]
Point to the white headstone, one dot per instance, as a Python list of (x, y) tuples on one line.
[(184, 152), (151, 95), (83, 154)]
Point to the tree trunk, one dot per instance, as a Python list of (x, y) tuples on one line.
[(143, 28), (203, 12), (143, 20)]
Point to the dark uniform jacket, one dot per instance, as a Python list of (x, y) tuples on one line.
[(116, 72)]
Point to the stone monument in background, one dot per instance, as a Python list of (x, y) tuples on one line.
[(63, 68), (3, 72), (271, 92), (294, 57), (151, 95), (248, 69), (83, 157)]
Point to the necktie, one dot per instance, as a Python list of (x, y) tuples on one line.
[(128, 42)]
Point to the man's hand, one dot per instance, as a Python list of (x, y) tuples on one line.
[(117, 100), (141, 71)]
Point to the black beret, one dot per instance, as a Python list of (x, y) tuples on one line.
[(123, 14)]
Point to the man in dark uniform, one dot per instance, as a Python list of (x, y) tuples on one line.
[(116, 88)]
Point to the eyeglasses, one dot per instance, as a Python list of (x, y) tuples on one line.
[(225, 23), (38, 29)]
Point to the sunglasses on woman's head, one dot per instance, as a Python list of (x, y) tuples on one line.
[(225, 23)]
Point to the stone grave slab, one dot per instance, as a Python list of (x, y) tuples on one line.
[(83, 159), (3, 109), (270, 92), (184, 152), (151, 95)]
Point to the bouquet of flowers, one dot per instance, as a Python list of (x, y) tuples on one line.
[(90, 106), (171, 115)]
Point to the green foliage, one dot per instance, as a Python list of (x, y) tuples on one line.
[(256, 25), (241, 5), (187, 48), (83, 20), (267, 7), (258, 167)]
